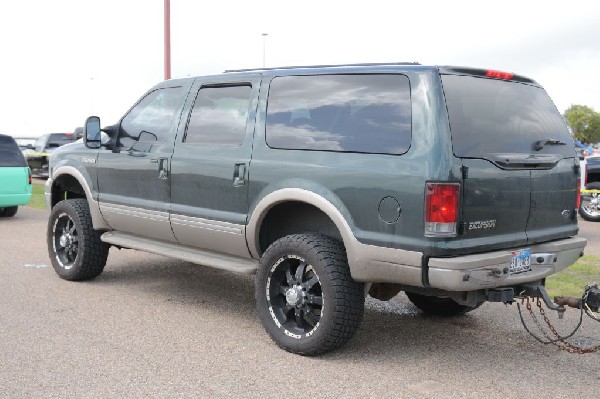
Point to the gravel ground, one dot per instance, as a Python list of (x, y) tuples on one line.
[(152, 327)]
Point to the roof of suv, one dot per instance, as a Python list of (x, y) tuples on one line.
[(455, 70)]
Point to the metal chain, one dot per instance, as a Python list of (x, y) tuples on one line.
[(560, 340), (535, 320), (564, 345)]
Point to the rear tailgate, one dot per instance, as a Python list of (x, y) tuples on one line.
[(14, 186), (495, 204), (518, 160)]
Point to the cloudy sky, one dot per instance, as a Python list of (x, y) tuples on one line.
[(63, 60)]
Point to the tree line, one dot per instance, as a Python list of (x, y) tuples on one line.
[(584, 122)]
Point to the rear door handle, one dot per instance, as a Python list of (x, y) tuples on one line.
[(239, 175), (163, 168)]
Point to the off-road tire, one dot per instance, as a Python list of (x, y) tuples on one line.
[(75, 249), (9, 211), (318, 328), (439, 306), (590, 215)]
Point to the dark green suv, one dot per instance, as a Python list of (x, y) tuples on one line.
[(455, 185)]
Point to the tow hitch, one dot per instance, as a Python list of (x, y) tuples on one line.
[(589, 303), (590, 300)]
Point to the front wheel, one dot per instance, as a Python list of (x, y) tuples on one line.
[(439, 306), (305, 296), (75, 248), (589, 209)]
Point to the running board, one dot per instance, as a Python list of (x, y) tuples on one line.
[(203, 257)]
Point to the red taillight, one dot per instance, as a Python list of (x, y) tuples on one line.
[(499, 75), (29, 175), (441, 209)]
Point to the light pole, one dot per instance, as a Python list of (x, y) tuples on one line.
[(264, 35), (167, 39)]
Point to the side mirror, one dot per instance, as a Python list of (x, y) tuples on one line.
[(91, 132)]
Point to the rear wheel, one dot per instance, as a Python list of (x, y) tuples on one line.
[(8, 211), (306, 298), (439, 306), (75, 248), (589, 209)]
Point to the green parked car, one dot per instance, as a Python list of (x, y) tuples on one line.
[(15, 177)]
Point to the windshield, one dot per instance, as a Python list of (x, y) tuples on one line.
[(496, 116), (59, 139)]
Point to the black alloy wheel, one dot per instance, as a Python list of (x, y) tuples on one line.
[(305, 295), (295, 297), (75, 248)]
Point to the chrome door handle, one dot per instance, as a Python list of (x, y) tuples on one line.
[(163, 168), (239, 175)]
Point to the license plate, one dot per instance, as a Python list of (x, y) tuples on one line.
[(520, 261)]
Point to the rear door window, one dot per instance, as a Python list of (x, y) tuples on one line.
[(219, 116), (495, 116), (343, 113)]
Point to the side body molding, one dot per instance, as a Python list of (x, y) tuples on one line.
[(92, 197), (368, 263)]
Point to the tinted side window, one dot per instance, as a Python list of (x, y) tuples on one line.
[(348, 113), (496, 116), (219, 116), (10, 154), (153, 115)]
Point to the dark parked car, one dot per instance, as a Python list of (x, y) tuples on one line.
[(15, 177), (44, 146), (455, 185)]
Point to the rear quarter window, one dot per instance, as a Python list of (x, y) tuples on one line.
[(496, 116), (342, 113)]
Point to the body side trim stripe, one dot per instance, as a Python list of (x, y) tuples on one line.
[(134, 212), (181, 220), (207, 224)]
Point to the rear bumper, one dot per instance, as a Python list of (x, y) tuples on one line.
[(14, 199), (490, 270), (462, 273)]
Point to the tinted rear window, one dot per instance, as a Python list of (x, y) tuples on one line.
[(345, 113), (10, 154), (495, 116)]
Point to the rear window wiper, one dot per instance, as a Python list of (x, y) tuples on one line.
[(538, 145)]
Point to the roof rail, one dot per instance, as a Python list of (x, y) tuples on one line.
[(322, 66)]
